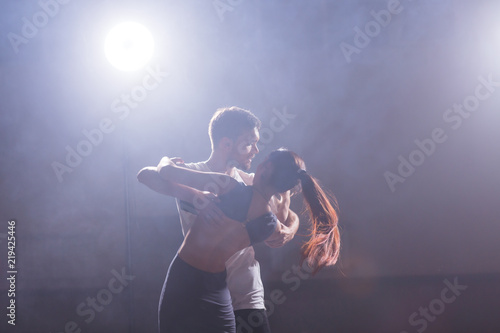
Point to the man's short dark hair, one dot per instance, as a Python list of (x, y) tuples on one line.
[(230, 122)]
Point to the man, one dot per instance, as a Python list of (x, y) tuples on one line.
[(234, 133)]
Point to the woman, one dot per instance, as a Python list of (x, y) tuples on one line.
[(195, 297)]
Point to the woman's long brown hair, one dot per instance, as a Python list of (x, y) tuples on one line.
[(323, 247)]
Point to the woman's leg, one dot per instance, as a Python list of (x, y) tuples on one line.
[(178, 298), (194, 301)]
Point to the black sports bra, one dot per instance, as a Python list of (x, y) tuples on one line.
[(235, 205)]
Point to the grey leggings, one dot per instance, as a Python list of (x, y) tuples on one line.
[(194, 301)]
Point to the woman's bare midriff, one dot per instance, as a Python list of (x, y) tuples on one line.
[(208, 246)]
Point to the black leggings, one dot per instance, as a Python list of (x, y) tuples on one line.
[(252, 321), (194, 301)]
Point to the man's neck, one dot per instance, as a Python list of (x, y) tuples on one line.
[(218, 163)]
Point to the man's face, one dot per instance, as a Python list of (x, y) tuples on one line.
[(245, 149)]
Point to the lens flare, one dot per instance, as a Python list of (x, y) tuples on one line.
[(129, 46)]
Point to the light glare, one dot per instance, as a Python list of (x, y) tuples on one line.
[(129, 46)]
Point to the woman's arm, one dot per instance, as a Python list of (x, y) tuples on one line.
[(284, 231), (288, 221), (214, 182)]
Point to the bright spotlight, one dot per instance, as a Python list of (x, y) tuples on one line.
[(129, 46)]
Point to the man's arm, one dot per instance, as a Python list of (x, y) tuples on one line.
[(217, 182), (203, 201), (150, 177)]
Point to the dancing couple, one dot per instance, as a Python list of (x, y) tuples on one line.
[(213, 283)]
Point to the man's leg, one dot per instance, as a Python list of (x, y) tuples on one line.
[(251, 321)]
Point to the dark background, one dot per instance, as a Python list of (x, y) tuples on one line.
[(350, 120)]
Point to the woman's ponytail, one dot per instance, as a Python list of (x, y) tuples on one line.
[(323, 247)]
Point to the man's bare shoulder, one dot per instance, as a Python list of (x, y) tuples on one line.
[(247, 177)]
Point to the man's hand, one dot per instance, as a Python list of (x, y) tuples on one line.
[(174, 161), (177, 161), (165, 161)]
